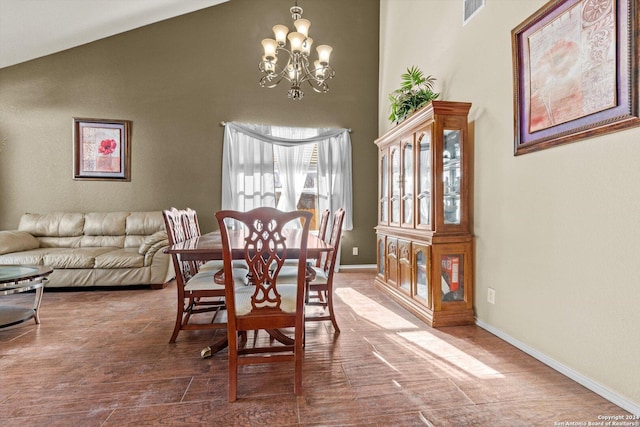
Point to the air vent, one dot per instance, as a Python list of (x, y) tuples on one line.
[(470, 8)]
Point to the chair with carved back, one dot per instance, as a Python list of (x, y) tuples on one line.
[(322, 233), (322, 230), (192, 229), (265, 304), (197, 291), (322, 281)]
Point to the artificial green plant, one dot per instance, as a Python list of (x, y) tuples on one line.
[(414, 92)]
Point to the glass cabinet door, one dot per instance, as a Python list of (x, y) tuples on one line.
[(384, 188), (407, 183), (452, 175), (395, 186), (424, 179)]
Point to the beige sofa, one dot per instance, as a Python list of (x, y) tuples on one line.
[(92, 249)]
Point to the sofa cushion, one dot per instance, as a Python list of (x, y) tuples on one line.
[(141, 225), (16, 241), (52, 224), (30, 257), (121, 258), (149, 241), (144, 223), (60, 242), (74, 257), (102, 241), (105, 223)]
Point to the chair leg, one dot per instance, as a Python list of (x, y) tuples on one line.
[(331, 313), (299, 355), (233, 366), (179, 315), (307, 292), (242, 343)]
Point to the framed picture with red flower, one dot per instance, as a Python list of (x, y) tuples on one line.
[(101, 149), (575, 69)]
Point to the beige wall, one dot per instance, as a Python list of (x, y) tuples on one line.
[(177, 80), (557, 231)]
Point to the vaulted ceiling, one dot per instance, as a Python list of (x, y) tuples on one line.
[(33, 28)]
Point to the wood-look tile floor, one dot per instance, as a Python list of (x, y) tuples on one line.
[(102, 358)]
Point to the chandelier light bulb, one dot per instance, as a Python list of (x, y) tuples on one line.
[(302, 26), (295, 40), (324, 52), (293, 72), (270, 46), (280, 32), (319, 69)]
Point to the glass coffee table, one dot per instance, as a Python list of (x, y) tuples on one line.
[(21, 278)]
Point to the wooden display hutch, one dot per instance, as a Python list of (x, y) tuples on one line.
[(424, 232)]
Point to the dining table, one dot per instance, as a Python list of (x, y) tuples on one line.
[(207, 247)]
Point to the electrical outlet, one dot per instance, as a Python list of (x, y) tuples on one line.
[(491, 295), (355, 250)]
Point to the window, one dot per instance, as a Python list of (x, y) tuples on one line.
[(288, 168)]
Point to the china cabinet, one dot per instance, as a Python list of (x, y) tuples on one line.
[(424, 231)]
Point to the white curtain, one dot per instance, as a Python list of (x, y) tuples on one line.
[(248, 175), (334, 184), (295, 160), (247, 171)]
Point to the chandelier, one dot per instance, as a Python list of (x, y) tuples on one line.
[(297, 69)]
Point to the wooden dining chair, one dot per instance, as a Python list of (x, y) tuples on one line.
[(192, 229), (322, 231), (322, 281), (197, 290), (265, 304)]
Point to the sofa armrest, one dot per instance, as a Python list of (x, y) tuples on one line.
[(152, 244), (16, 241), (153, 250), (151, 240)]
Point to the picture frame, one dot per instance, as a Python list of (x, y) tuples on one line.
[(101, 149), (575, 72)]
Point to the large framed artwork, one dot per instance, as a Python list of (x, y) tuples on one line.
[(101, 149), (575, 68)]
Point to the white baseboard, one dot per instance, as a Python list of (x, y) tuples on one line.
[(576, 376), (357, 266)]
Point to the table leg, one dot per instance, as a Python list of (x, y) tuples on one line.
[(36, 303), (215, 347), (278, 335)]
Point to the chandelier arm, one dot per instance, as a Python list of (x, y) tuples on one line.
[(319, 86), (279, 48), (312, 78), (271, 77), (263, 83), (323, 88)]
